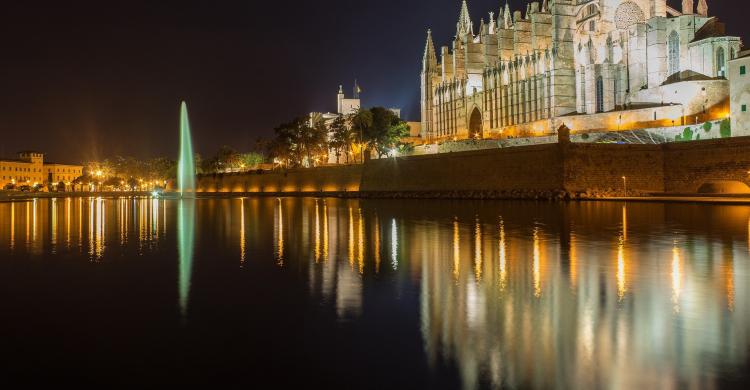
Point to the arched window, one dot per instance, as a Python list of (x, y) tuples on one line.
[(721, 63), (599, 94), (674, 53)]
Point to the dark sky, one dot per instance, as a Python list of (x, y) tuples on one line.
[(82, 80)]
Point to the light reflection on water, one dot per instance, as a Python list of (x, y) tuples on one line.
[(509, 294)]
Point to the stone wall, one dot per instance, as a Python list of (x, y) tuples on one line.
[(342, 178), (546, 171), (532, 168), (599, 169), (687, 165)]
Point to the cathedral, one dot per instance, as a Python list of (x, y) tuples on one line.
[(589, 64)]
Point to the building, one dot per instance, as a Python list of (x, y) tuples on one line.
[(739, 91), (30, 169), (588, 64)]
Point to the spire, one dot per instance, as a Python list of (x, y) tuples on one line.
[(528, 11), (545, 7), (507, 18), (492, 22), (703, 8), (464, 21), (687, 7), (429, 61)]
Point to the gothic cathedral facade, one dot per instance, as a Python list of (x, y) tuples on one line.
[(521, 73)]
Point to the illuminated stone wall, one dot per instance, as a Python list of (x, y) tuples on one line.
[(688, 165), (536, 171), (325, 179)]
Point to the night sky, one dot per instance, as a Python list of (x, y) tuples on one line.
[(85, 80)]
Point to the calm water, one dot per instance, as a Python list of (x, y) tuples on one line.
[(375, 294)]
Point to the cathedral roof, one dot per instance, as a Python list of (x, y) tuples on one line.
[(712, 29), (687, 75)]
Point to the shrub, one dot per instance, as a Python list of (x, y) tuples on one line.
[(725, 129), (585, 136), (707, 126), (687, 135)]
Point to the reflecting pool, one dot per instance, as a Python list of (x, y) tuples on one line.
[(375, 294)]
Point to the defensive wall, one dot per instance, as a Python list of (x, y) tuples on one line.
[(560, 170)]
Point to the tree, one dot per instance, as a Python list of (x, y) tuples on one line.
[(250, 160), (342, 137), (386, 131), (361, 127), (314, 141)]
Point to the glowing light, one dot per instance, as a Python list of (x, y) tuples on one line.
[(456, 249), (361, 244), (502, 256), (676, 278), (621, 282), (478, 251), (536, 265), (280, 235), (317, 232), (242, 232), (394, 244), (351, 238), (12, 226)]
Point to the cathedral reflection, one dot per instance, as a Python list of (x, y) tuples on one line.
[(535, 295)]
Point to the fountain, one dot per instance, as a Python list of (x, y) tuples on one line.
[(186, 165), (186, 210)]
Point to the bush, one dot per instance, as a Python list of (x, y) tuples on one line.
[(585, 136), (707, 126), (687, 135), (725, 129)]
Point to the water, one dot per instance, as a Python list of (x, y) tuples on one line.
[(374, 294), (186, 164)]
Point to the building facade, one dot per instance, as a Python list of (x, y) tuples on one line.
[(528, 73), (30, 169), (739, 90)]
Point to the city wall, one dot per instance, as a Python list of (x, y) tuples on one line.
[(547, 171)]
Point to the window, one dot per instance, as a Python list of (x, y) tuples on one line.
[(599, 94), (592, 26), (744, 108), (720, 62), (743, 70), (674, 53)]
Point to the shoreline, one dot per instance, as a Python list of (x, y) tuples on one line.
[(546, 196)]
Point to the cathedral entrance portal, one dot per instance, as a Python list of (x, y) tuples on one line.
[(475, 124)]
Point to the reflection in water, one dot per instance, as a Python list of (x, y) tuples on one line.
[(519, 295), (394, 245), (12, 226), (502, 256), (279, 233), (185, 246), (242, 232), (676, 278)]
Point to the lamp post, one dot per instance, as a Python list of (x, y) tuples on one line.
[(625, 185)]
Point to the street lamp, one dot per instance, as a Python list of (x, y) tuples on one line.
[(625, 185)]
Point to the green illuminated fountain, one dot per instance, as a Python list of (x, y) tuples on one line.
[(186, 165), (185, 210)]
